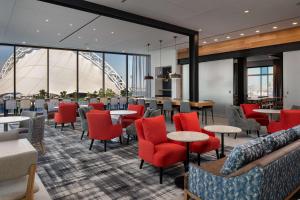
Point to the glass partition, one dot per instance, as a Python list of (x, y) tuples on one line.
[(31, 72), (6, 72), (62, 73)]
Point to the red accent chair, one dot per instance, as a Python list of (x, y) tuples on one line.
[(97, 106), (101, 127), (129, 119), (261, 118), (190, 122), (67, 113), (153, 145), (288, 119)]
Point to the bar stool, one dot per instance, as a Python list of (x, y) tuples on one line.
[(141, 102), (168, 108), (185, 107), (153, 104)]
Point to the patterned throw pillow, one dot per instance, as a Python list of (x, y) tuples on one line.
[(244, 154), (297, 131), (279, 139)]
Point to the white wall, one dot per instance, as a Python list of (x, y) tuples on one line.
[(168, 58), (185, 82), (216, 83), (291, 74)]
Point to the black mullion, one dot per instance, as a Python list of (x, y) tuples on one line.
[(15, 87), (103, 74), (127, 77), (48, 68), (77, 74)]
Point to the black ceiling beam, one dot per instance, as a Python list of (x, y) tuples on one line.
[(121, 15)]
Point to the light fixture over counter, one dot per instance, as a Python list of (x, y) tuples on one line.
[(148, 76), (175, 75)]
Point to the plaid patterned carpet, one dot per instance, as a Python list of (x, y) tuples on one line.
[(70, 171)]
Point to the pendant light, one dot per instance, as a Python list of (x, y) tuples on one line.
[(148, 76), (175, 75), (160, 76)]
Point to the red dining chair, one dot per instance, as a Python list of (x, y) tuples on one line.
[(101, 127), (153, 145), (129, 119), (190, 122), (67, 113), (288, 119), (261, 118), (97, 106)]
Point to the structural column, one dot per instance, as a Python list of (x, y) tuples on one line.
[(194, 69), (240, 81)]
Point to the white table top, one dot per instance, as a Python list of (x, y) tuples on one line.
[(122, 112), (222, 129), (15, 147), (187, 136), (12, 119), (267, 111)]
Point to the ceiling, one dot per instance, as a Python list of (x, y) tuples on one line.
[(216, 20)]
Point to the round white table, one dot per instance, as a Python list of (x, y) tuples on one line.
[(186, 137), (122, 112), (269, 112), (12, 119), (223, 129)]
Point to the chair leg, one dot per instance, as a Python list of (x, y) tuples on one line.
[(198, 158), (257, 133), (161, 171), (104, 145), (235, 136), (217, 154), (128, 136), (172, 113), (120, 138), (142, 163), (82, 135), (62, 126), (42, 147), (73, 126), (212, 115), (55, 124), (92, 142)]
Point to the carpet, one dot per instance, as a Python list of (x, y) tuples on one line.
[(70, 171)]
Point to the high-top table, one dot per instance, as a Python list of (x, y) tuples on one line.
[(12, 119), (222, 129), (187, 137)]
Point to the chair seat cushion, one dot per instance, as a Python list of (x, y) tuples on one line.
[(244, 154), (212, 143), (167, 154), (190, 121), (15, 189), (155, 129)]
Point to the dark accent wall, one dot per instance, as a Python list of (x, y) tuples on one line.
[(278, 76), (239, 80)]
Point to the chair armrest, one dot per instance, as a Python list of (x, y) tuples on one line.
[(146, 150)]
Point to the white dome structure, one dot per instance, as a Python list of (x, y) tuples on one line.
[(31, 72)]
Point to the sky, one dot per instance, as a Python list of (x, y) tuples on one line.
[(5, 52)]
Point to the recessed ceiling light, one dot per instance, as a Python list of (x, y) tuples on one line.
[(70, 24), (257, 31), (246, 11), (96, 39), (58, 34), (123, 51), (87, 48), (200, 29), (37, 30), (228, 37), (204, 42), (216, 40), (275, 27), (94, 29), (295, 23), (46, 20), (23, 42), (242, 34), (112, 32), (79, 37)]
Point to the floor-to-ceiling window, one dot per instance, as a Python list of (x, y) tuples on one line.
[(260, 81), (90, 74), (31, 72), (115, 75), (6, 72), (62, 73)]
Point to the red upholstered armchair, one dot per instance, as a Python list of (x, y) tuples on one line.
[(97, 106), (261, 118), (129, 119), (288, 119), (67, 113), (190, 122), (101, 127), (153, 145)]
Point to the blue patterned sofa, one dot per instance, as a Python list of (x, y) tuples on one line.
[(267, 168)]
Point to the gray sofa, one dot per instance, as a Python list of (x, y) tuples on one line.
[(266, 168)]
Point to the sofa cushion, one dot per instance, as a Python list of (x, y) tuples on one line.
[(190, 121), (243, 154), (297, 130), (155, 129), (279, 139)]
